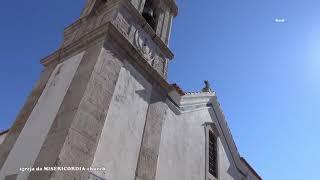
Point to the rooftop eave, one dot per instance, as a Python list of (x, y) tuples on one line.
[(245, 162), (4, 132)]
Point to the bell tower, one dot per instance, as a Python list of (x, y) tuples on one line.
[(99, 101), (159, 17), (152, 37)]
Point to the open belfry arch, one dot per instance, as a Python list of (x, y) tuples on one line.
[(103, 100)]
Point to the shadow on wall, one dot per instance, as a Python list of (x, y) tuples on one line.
[(143, 93)]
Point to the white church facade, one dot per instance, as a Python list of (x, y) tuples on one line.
[(103, 101)]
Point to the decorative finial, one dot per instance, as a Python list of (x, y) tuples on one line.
[(207, 87)]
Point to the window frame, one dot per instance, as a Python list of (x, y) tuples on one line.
[(210, 127)]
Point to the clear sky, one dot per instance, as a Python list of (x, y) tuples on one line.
[(266, 73)]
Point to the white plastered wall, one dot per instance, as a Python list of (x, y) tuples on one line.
[(121, 137), (182, 153)]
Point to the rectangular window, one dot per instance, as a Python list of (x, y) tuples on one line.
[(213, 155)]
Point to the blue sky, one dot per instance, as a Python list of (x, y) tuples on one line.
[(266, 74)]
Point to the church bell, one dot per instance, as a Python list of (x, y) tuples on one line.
[(148, 16)]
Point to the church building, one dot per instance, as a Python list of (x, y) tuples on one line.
[(103, 104)]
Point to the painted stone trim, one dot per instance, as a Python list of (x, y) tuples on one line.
[(149, 152), (28, 144), (60, 129), (83, 132), (21, 119)]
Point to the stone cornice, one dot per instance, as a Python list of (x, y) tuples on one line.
[(4, 132), (87, 38), (139, 60), (140, 21), (76, 46), (245, 162), (228, 137), (192, 99), (109, 30)]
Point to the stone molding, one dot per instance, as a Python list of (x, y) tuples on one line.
[(4, 132), (18, 125), (190, 102), (137, 32), (109, 30), (150, 145)]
